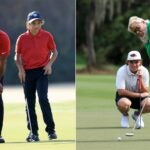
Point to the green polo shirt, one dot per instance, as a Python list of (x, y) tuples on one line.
[(147, 45)]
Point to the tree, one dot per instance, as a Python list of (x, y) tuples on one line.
[(99, 11)]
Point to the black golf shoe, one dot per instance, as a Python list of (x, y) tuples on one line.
[(2, 140), (52, 136), (32, 138)]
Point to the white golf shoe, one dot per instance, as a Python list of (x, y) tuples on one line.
[(125, 121), (139, 121)]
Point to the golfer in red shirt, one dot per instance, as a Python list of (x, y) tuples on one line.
[(4, 52), (35, 54)]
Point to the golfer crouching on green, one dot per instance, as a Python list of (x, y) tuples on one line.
[(132, 83)]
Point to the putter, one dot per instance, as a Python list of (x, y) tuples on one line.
[(27, 107), (140, 96), (139, 117), (133, 129)]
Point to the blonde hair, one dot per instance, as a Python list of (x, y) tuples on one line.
[(134, 19)]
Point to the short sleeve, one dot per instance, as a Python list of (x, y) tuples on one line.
[(4, 44), (146, 77), (51, 43), (120, 80), (18, 45)]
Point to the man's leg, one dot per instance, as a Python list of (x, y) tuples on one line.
[(146, 103), (1, 118), (42, 89), (1, 114), (30, 90), (124, 105)]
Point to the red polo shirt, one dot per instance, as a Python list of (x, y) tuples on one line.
[(35, 49), (4, 44)]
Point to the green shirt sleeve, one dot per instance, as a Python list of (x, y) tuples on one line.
[(147, 45)]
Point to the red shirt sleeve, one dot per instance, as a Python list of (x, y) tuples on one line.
[(51, 43), (4, 44), (18, 45)]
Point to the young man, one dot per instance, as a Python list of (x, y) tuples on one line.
[(35, 54), (141, 28), (4, 52), (132, 82)]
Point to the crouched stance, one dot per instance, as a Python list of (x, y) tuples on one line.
[(132, 82)]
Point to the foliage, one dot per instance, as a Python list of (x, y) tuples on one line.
[(80, 61), (119, 40), (112, 40), (81, 13)]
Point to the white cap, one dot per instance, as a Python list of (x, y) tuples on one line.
[(134, 55)]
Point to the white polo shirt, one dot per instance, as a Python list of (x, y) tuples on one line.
[(125, 79)]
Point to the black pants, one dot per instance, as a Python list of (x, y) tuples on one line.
[(1, 109), (1, 113), (36, 81)]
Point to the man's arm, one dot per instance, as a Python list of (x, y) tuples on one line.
[(3, 60), (21, 71), (53, 56), (123, 92), (48, 67)]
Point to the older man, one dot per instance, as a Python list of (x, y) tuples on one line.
[(141, 28)]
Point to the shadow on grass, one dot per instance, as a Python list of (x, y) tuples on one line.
[(109, 141), (91, 128), (44, 141)]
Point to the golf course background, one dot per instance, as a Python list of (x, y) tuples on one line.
[(98, 120), (15, 131)]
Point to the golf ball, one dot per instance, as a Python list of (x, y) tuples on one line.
[(119, 138)]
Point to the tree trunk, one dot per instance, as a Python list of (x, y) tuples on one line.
[(99, 10), (90, 29)]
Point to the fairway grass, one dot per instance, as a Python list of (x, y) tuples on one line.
[(98, 120), (15, 131)]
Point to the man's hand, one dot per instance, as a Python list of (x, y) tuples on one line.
[(139, 72), (145, 94), (21, 75), (48, 69), (1, 88)]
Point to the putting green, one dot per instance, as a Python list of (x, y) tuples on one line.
[(98, 120), (15, 131)]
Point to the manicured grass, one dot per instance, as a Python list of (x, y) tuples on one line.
[(15, 131), (98, 120), (94, 91), (81, 63)]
